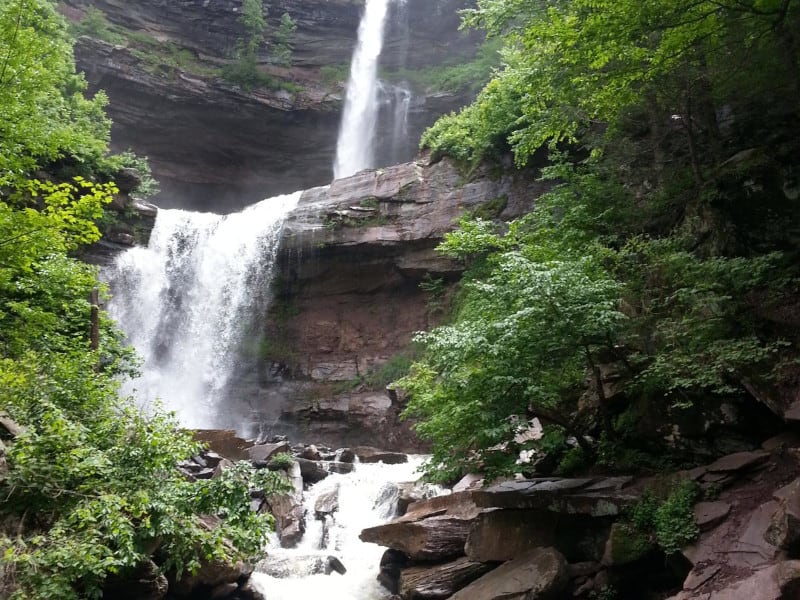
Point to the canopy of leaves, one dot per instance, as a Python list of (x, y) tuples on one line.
[(671, 129), (91, 487)]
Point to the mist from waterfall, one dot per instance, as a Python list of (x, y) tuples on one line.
[(188, 299), (355, 148)]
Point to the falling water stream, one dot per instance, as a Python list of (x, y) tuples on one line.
[(355, 148), (190, 299), (187, 300), (363, 502)]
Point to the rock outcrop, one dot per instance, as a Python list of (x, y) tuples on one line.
[(347, 298), (559, 538), (214, 145)]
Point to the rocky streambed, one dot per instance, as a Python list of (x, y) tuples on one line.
[(534, 538)]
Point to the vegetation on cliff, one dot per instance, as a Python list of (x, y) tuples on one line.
[(89, 485), (665, 253)]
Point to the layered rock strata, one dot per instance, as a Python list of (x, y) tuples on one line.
[(216, 145), (347, 297)]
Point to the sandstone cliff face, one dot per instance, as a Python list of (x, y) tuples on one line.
[(216, 146), (347, 298)]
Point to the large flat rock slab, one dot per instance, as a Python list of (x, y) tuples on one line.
[(535, 575), (597, 497)]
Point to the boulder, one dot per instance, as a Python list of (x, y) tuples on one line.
[(346, 455), (342, 468), (368, 454), (392, 564), (537, 574), (224, 442), (625, 545), (143, 583), (248, 591), (263, 452), (210, 576), (287, 566), (312, 471), (289, 518), (311, 453), (500, 535), (432, 539), (327, 503), (780, 581), (784, 527), (440, 581)]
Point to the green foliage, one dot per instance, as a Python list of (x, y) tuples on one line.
[(129, 160), (44, 115), (282, 46), (393, 369), (94, 24), (282, 460), (333, 74), (672, 521), (469, 75), (92, 487)]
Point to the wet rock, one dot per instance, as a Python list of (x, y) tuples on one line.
[(327, 503), (224, 442), (311, 453), (412, 492), (537, 574), (368, 454), (432, 539), (248, 591), (210, 576), (501, 535), (289, 518), (335, 566), (342, 468), (346, 455), (312, 471), (263, 452), (392, 564), (708, 515), (440, 581), (224, 590)]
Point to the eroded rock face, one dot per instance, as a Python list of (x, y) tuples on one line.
[(216, 146), (347, 297)]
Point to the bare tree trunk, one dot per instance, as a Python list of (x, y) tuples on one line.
[(95, 333)]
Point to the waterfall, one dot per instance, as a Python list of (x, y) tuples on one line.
[(355, 147), (363, 502), (186, 301)]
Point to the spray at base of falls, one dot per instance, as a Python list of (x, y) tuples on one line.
[(187, 301), (355, 147), (361, 505)]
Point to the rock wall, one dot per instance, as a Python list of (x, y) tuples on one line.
[(347, 299), (215, 146)]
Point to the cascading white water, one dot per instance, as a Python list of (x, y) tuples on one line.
[(361, 505), (186, 300), (355, 146)]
